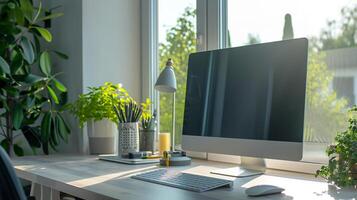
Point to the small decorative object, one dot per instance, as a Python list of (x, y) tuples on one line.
[(148, 128), (32, 99), (95, 108), (167, 83), (342, 166), (164, 142), (174, 158), (128, 115)]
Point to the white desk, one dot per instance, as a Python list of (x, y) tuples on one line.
[(89, 178)]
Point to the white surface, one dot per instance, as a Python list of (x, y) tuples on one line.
[(102, 128), (111, 44), (102, 40), (67, 38), (89, 178)]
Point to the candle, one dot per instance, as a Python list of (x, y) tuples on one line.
[(164, 140)]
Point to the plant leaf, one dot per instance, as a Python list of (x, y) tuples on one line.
[(53, 94), (27, 50), (32, 78), (54, 136), (51, 16), (44, 33), (4, 66), (17, 63), (32, 136), (45, 147), (27, 9), (45, 63), (5, 144), (18, 116), (59, 85), (18, 150), (63, 125), (60, 129), (38, 12), (45, 128), (19, 16), (37, 46), (61, 55)]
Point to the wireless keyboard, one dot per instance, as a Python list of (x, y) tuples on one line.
[(184, 181)]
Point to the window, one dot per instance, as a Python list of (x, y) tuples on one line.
[(177, 39), (331, 27)]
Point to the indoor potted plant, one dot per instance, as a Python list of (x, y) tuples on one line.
[(128, 114), (31, 103), (95, 109), (342, 166), (148, 136)]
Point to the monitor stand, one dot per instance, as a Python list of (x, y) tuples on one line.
[(249, 167)]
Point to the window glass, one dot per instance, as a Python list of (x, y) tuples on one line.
[(331, 27), (177, 39)]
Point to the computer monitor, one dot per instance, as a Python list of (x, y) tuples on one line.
[(247, 101)]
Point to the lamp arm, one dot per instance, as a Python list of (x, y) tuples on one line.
[(173, 121)]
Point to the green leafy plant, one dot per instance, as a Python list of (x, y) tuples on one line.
[(342, 166), (30, 104), (148, 119), (98, 103)]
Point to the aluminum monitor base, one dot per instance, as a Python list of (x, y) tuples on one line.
[(250, 167)]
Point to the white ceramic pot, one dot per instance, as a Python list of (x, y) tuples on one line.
[(102, 137)]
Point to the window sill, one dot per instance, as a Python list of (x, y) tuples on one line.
[(294, 166)]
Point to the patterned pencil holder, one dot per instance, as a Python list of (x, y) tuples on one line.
[(128, 138), (148, 140)]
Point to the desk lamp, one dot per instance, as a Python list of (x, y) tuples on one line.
[(167, 83)]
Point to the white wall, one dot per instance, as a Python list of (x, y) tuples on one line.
[(111, 43), (102, 40), (67, 37)]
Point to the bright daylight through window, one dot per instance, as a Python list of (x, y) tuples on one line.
[(331, 27), (177, 39)]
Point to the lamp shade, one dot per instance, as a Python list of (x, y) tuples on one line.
[(167, 79)]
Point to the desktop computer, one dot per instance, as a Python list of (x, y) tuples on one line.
[(247, 101)]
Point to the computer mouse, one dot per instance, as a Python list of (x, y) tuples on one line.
[(262, 190)]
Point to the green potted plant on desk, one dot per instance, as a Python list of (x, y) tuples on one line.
[(342, 166), (95, 109), (31, 102), (128, 114), (148, 137)]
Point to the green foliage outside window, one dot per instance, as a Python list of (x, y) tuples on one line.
[(325, 112), (180, 42)]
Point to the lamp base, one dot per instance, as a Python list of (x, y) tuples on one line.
[(175, 161)]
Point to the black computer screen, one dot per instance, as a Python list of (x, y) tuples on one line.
[(250, 92)]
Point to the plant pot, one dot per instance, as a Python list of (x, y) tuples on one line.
[(128, 138), (101, 135), (148, 140)]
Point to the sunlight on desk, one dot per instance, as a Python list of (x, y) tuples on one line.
[(100, 179)]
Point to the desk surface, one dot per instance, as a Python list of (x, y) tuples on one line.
[(89, 178)]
